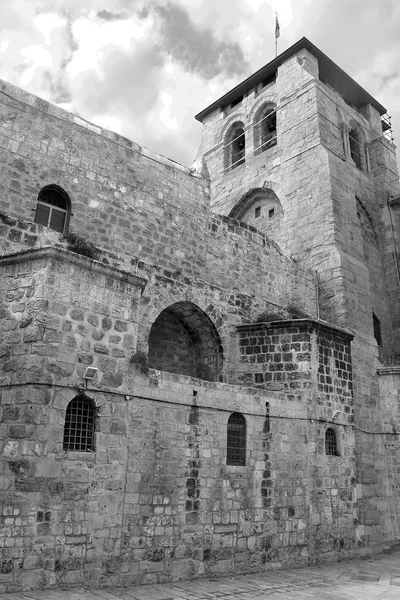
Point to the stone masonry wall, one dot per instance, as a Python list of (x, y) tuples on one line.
[(155, 501), (336, 220), (306, 368)]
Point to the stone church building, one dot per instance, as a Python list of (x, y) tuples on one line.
[(200, 368)]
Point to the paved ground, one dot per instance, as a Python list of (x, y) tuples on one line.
[(372, 578)]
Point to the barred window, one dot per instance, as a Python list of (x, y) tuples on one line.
[(331, 442), (79, 425), (236, 442)]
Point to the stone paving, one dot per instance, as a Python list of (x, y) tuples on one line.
[(371, 578)]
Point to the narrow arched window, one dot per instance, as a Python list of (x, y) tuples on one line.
[(331, 447), (265, 129), (53, 208), (355, 147), (377, 329), (235, 146), (79, 425), (236, 440)]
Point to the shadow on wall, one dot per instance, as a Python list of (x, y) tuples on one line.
[(184, 340)]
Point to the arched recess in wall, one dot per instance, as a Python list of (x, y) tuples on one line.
[(264, 128), (234, 146), (184, 340), (261, 208)]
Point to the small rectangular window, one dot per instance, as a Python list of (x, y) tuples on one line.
[(377, 329), (271, 213), (257, 212)]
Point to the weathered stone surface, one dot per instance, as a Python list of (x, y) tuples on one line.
[(187, 317)]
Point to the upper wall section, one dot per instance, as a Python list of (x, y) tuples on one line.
[(127, 200), (299, 102), (142, 212)]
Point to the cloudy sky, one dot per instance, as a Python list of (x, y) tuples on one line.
[(144, 68)]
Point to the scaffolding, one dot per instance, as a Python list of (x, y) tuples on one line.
[(387, 130)]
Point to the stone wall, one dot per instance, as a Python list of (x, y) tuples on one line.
[(337, 219), (188, 317)]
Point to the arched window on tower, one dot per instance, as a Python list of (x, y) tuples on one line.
[(331, 447), (265, 129), (356, 148), (236, 440), (79, 427), (53, 208), (235, 146)]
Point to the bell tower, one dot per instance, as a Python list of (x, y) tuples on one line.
[(304, 153)]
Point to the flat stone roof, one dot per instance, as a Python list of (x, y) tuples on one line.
[(329, 73)]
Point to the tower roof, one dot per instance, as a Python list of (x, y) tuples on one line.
[(329, 73)]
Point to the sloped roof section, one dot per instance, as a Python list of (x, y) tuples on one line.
[(329, 73)]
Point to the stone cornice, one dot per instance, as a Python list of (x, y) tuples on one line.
[(395, 370), (59, 254), (304, 324)]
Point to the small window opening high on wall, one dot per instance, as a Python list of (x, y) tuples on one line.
[(355, 147), (331, 447), (53, 208), (377, 329), (236, 440)]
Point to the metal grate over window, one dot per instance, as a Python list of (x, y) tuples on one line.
[(79, 425), (330, 442), (236, 443)]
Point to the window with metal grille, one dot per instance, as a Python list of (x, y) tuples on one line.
[(52, 208), (236, 442), (79, 425), (331, 442)]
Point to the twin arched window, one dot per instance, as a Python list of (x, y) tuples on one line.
[(236, 440), (53, 208), (264, 131), (79, 425)]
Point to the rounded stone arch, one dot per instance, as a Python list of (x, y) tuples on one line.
[(237, 116), (261, 208), (264, 127), (183, 339)]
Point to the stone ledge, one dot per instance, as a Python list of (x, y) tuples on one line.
[(301, 324), (388, 371), (58, 254)]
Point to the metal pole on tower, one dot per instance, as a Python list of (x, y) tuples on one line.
[(277, 33)]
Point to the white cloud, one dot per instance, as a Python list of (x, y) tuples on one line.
[(143, 68)]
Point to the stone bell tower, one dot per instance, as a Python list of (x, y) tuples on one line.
[(304, 153)]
